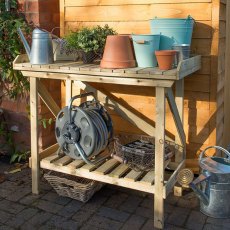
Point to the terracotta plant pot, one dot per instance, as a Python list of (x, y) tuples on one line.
[(118, 53), (165, 58)]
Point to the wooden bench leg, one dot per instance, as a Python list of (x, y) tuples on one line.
[(35, 165), (159, 158), (179, 97)]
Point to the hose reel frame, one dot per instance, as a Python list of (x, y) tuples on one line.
[(83, 131)]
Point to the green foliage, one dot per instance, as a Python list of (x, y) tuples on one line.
[(8, 143), (89, 39), (13, 83), (19, 156), (41, 121), (45, 121)]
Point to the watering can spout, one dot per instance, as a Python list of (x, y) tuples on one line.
[(25, 43), (199, 193)]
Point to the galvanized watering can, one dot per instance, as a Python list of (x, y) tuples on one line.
[(41, 51), (214, 184)]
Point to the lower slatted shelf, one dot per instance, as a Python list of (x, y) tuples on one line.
[(109, 171)]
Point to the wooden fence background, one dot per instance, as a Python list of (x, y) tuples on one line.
[(204, 91)]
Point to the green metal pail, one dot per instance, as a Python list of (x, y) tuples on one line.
[(145, 46)]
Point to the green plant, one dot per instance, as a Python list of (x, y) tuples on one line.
[(18, 155), (12, 83), (46, 121), (41, 121), (7, 144), (89, 39)]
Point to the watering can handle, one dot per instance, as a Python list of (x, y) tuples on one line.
[(201, 195), (216, 147)]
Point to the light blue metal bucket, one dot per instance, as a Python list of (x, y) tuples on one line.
[(145, 46), (172, 31)]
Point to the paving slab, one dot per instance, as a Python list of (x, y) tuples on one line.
[(111, 208)]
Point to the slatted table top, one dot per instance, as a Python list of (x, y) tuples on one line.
[(184, 68)]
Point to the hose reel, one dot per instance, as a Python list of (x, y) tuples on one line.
[(83, 131)]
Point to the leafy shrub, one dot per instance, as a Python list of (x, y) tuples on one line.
[(12, 82), (89, 39)]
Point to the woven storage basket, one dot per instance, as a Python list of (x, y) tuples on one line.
[(77, 188)]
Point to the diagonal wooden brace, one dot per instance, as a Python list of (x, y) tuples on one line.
[(121, 110), (47, 99), (176, 116)]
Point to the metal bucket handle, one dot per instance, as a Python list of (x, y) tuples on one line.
[(216, 147), (142, 41)]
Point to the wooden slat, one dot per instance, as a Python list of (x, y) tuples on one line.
[(138, 12), (205, 65), (48, 151), (201, 47), (128, 70), (153, 71), (52, 158), (94, 67), (133, 175), (198, 83), (134, 70), (119, 171), (75, 66), (150, 81), (47, 99), (30, 66), (125, 81), (126, 2), (20, 59), (188, 65), (92, 167), (65, 160), (149, 178), (202, 29), (76, 164), (107, 167), (62, 17)]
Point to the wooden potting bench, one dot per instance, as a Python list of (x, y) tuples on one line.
[(110, 171)]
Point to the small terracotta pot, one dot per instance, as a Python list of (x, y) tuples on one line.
[(118, 53), (165, 58)]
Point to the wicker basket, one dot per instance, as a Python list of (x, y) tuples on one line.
[(77, 188), (138, 151)]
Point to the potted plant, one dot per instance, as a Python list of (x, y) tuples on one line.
[(89, 42)]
